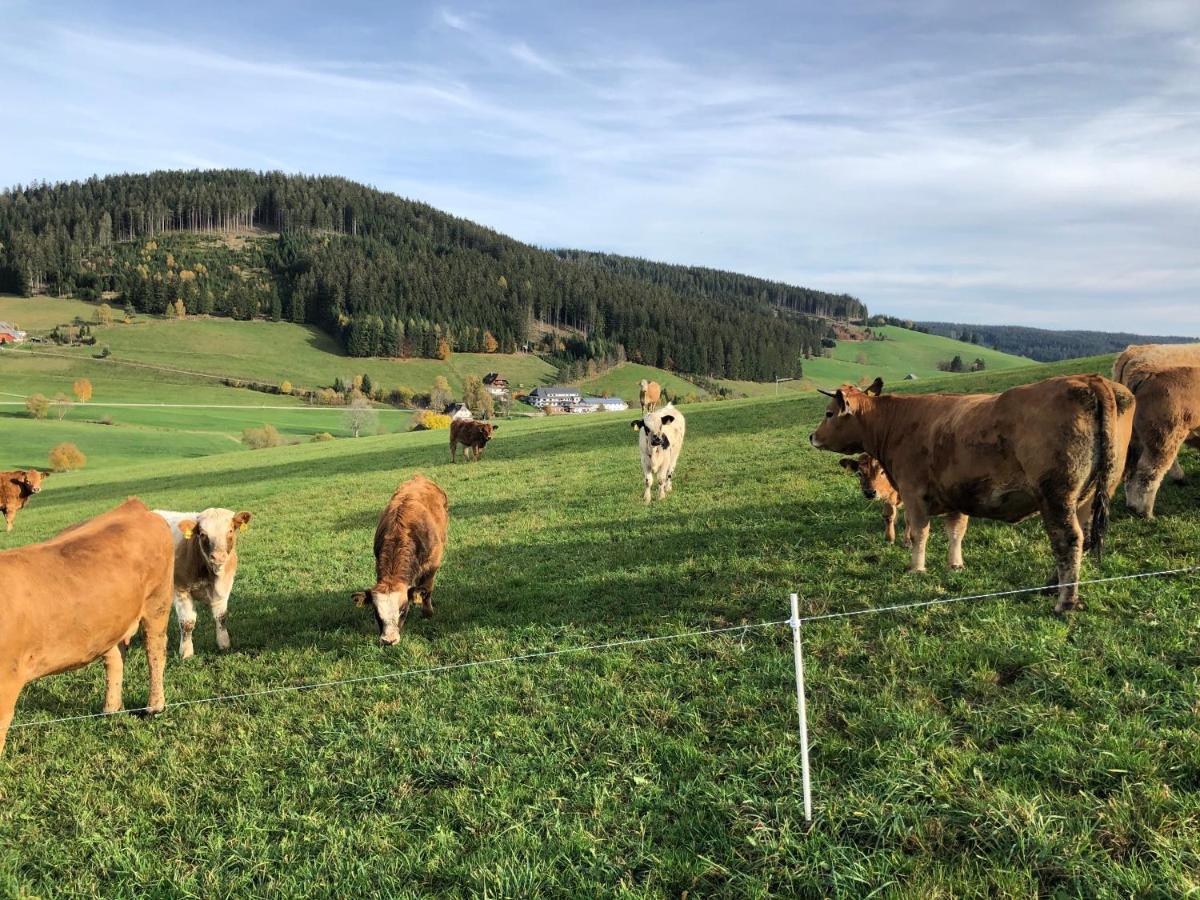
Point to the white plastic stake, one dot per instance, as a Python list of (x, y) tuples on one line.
[(798, 652)]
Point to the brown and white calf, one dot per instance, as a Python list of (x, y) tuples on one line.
[(83, 595), (473, 436), (1056, 447), (15, 490), (410, 541), (206, 561)]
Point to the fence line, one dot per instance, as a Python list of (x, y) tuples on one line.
[(99, 403), (610, 645)]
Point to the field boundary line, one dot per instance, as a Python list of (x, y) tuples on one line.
[(304, 408)]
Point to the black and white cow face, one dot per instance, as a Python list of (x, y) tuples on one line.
[(655, 436)]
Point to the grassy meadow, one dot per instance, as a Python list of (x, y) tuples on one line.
[(964, 750)]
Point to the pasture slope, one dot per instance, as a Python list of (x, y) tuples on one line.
[(964, 750)]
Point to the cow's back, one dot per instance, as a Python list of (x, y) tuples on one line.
[(68, 600), (412, 530), (1139, 360)]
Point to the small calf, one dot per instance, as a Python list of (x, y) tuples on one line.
[(15, 490), (472, 435), (660, 439), (206, 563)]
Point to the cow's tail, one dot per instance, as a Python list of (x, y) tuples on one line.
[(1106, 464)]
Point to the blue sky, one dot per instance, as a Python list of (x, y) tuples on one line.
[(1027, 163)]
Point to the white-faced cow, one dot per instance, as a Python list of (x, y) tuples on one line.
[(206, 562), (1057, 448), (82, 595), (660, 437)]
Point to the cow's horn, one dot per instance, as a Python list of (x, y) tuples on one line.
[(826, 393)]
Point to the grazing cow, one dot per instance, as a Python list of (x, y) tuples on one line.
[(1168, 415), (472, 435), (83, 595), (206, 562), (409, 543), (15, 490), (1139, 360), (660, 439), (650, 393), (1057, 447)]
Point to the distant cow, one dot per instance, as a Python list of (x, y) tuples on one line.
[(1139, 360), (1057, 447), (472, 435), (83, 595), (409, 543), (1168, 415), (660, 438), (15, 490), (206, 561), (650, 393)]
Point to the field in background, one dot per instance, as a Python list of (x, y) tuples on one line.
[(623, 381), (974, 748)]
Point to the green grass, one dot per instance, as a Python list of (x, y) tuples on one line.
[(966, 750), (41, 313), (623, 381)]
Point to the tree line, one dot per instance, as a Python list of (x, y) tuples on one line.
[(391, 276)]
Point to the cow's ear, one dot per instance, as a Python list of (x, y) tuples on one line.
[(360, 598), (636, 424), (187, 528), (495, 428), (876, 387), (46, 474), (667, 420), (241, 520), (848, 463)]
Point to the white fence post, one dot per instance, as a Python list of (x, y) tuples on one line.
[(798, 653)]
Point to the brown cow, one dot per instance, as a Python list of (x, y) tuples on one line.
[(472, 435), (83, 595), (1168, 415), (650, 394), (409, 543), (877, 486), (1139, 360), (15, 490), (1056, 447)]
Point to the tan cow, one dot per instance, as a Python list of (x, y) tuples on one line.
[(206, 561), (1056, 447), (660, 438), (650, 394), (15, 490), (473, 436), (410, 541), (875, 485), (1168, 415), (1139, 360), (83, 595)]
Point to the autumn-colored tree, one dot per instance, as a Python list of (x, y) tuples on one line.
[(439, 394), (443, 349), (490, 344), (67, 456), (37, 406), (285, 387), (361, 416), (104, 314), (477, 398), (180, 309), (62, 405), (82, 389)]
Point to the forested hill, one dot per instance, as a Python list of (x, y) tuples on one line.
[(1043, 344), (389, 276)]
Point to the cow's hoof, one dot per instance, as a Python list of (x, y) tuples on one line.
[(147, 712), (912, 571), (958, 568), (111, 711)]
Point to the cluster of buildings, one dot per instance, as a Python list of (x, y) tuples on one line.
[(10, 334), (557, 398)]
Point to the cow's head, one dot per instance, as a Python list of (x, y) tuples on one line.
[(31, 480), (842, 431), (215, 532), (871, 477), (390, 609), (652, 426), (486, 429)]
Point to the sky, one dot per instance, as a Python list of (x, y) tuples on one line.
[(1001, 162)]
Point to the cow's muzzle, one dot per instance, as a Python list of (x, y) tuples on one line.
[(812, 439), (870, 495)]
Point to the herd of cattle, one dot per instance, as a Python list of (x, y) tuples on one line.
[(1058, 448)]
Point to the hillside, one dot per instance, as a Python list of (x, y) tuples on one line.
[(986, 747), (1045, 345), (386, 276)]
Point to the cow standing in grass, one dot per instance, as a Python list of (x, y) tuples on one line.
[(15, 490), (650, 395), (1056, 447), (660, 437), (410, 541), (206, 561), (82, 595), (473, 436)]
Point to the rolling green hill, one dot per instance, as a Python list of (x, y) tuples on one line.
[(990, 747)]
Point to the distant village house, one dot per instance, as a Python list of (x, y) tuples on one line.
[(10, 334)]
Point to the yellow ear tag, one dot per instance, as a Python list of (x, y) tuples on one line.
[(187, 534), (243, 526), (360, 600)]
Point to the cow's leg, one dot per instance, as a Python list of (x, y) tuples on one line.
[(426, 591), (218, 603), (671, 477), (9, 516), (649, 483), (454, 451), (1066, 540), (889, 523), (114, 677), (10, 689), (918, 523), (154, 633), (478, 453), (1177, 474), (185, 610), (1155, 461), (956, 527)]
